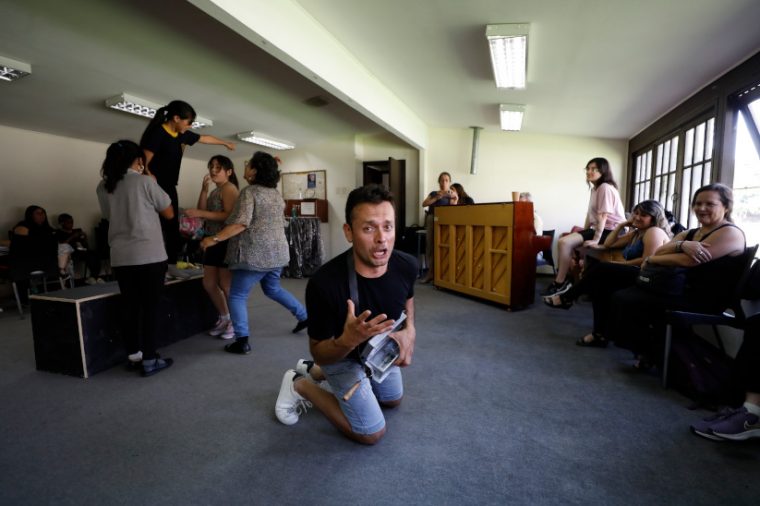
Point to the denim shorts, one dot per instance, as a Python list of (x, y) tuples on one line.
[(363, 409)]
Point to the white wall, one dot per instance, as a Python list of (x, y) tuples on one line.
[(551, 167)]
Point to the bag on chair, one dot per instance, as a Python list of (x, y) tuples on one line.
[(662, 279)]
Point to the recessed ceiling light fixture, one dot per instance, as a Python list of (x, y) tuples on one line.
[(511, 116), (146, 109), (11, 70), (265, 140), (509, 53)]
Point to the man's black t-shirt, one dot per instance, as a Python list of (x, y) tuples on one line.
[(327, 294), (167, 153)]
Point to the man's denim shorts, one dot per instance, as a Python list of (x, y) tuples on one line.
[(363, 409)]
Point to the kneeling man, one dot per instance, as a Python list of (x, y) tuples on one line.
[(336, 382)]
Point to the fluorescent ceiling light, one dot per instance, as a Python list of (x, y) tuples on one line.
[(146, 109), (265, 140), (11, 70), (509, 53), (511, 116)]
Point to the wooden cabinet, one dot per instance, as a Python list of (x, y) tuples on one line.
[(487, 251)]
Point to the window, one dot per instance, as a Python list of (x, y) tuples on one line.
[(682, 163), (747, 166), (713, 136)]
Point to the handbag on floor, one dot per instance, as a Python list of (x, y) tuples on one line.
[(662, 279)]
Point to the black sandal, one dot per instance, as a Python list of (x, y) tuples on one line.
[(563, 304), (597, 341)]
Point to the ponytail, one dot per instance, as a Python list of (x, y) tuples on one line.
[(119, 157)]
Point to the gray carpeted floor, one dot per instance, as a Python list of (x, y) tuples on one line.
[(500, 408)]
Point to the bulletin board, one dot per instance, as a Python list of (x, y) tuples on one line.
[(304, 185)]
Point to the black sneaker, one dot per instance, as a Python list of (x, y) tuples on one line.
[(557, 288), (300, 326), (239, 347), (154, 366)]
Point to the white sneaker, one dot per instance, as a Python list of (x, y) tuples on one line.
[(229, 332), (304, 366), (290, 405), (219, 327), (90, 281), (135, 357)]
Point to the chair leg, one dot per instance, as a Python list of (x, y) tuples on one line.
[(18, 301), (666, 354)]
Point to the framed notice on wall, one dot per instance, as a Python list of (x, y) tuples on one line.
[(304, 185)]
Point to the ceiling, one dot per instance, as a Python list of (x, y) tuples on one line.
[(600, 68)]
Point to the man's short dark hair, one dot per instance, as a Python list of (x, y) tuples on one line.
[(63, 217), (367, 194)]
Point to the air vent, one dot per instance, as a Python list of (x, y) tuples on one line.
[(316, 101)]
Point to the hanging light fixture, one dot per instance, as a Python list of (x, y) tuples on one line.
[(265, 140), (13, 70), (145, 108), (509, 53), (511, 116)]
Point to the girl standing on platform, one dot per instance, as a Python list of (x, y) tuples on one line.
[(138, 257), (214, 208), (164, 142)]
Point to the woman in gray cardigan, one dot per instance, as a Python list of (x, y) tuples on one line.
[(258, 249)]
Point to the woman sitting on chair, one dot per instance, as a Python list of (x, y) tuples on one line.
[(713, 255), (648, 231), (33, 248)]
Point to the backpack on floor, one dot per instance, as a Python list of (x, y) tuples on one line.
[(703, 373)]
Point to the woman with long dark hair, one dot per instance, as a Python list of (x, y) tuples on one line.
[(138, 258), (33, 248), (648, 230), (164, 142), (258, 249), (605, 212), (214, 208)]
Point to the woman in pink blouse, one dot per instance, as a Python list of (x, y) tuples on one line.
[(605, 211)]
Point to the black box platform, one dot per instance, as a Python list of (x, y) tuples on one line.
[(79, 331)]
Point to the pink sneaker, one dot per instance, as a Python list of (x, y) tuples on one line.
[(228, 333), (219, 327)]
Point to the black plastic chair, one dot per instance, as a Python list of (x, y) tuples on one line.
[(747, 289)]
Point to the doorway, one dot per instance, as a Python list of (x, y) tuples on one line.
[(390, 173)]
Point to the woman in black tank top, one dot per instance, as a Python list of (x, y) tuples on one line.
[(712, 253)]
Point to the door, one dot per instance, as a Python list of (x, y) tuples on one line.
[(390, 173)]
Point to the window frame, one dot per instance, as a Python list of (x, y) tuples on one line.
[(721, 99)]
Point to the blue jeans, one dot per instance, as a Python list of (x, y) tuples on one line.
[(363, 409), (243, 281)]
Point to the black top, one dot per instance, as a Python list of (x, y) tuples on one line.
[(713, 284), (327, 294), (37, 251), (167, 153)]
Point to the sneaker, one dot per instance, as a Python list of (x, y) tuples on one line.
[(219, 327), (703, 427), (303, 367), (290, 405), (557, 288), (154, 366), (239, 347), (90, 281), (300, 326), (741, 425), (229, 332)]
